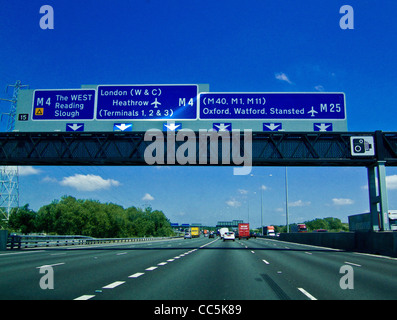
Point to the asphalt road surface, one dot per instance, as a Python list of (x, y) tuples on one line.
[(196, 269)]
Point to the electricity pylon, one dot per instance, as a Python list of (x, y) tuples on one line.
[(9, 177)]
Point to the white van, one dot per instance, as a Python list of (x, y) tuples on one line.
[(222, 231), (393, 219)]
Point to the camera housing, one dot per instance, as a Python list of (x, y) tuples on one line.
[(362, 146)]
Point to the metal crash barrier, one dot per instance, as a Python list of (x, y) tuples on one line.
[(28, 241)]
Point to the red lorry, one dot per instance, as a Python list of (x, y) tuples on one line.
[(243, 230), (300, 227)]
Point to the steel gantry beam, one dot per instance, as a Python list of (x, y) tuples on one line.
[(264, 149), (268, 149)]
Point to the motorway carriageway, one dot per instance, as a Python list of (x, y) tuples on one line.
[(196, 269)]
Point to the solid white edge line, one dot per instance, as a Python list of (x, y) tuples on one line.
[(353, 264), (374, 255), (307, 294), (113, 285), (50, 265), (85, 297), (301, 244), (332, 249), (13, 253)]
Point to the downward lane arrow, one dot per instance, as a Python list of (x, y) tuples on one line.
[(123, 126), (74, 126)]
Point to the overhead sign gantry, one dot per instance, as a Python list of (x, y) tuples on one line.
[(106, 108), (78, 127)]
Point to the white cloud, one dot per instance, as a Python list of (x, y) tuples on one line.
[(242, 191), (319, 88), (22, 170), (88, 182), (148, 197), (28, 170), (233, 203), (283, 77), (263, 187), (49, 179), (391, 182), (342, 201), (299, 203)]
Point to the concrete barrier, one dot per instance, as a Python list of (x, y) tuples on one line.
[(384, 243), (342, 240)]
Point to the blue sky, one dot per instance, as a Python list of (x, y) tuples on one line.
[(234, 46)]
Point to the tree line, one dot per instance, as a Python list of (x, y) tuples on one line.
[(329, 224), (71, 216)]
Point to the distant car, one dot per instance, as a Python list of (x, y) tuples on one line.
[(212, 235), (253, 235), (229, 236), (187, 235)]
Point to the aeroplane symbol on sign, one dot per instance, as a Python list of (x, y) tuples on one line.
[(155, 102), (312, 112)]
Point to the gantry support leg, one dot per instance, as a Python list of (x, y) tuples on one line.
[(378, 197)]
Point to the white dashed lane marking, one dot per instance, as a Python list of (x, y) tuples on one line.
[(113, 285)]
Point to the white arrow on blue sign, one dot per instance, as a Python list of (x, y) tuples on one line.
[(122, 127), (272, 126), (172, 126), (222, 126), (322, 126), (75, 127)]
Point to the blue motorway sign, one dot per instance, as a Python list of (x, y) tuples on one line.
[(277, 106), (147, 102), (63, 104)]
